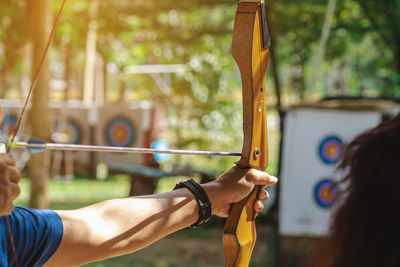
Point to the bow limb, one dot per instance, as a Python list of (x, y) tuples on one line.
[(250, 51)]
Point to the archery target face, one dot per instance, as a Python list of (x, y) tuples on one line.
[(330, 149), (325, 192), (72, 130), (313, 140), (120, 132), (9, 124)]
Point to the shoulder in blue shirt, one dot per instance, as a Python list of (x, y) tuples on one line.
[(37, 235)]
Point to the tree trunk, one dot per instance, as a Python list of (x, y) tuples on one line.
[(90, 61), (122, 90), (40, 13), (12, 52), (5, 80), (397, 58), (68, 73), (105, 74), (274, 66)]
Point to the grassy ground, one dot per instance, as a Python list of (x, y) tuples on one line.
[(78, 193), (189, 247)]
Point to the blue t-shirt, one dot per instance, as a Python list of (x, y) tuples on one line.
[(37, 235)]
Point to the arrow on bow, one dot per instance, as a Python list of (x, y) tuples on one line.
[(250, 47), (36, 145)]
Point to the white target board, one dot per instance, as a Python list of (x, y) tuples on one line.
[(11, 111), (313, 143), (124, 125), (71, 119)]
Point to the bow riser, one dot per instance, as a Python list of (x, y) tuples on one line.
[(252, 60)]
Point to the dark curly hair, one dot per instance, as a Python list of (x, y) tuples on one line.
[(365, 229)]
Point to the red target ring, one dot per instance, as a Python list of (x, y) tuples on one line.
[(325, 192), (330, 150), (120, 132)]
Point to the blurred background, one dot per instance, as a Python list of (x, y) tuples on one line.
[(160, 74)]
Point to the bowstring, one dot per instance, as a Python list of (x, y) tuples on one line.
[(36, 76), (21, 115)]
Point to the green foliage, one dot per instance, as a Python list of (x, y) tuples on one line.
[(296, 28), (362, 40), (13, 36), (202, 105), (78, 193), (361, 58)]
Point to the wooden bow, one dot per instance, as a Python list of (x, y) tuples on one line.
[(250, 50)]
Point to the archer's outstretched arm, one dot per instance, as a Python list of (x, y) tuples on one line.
[(122, 226)]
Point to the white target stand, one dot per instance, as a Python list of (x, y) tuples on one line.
[(11, 109), (126, 125), (70, 125), (312, 146)]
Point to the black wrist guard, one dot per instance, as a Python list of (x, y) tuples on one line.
[(202, 199)]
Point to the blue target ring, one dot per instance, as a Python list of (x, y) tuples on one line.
[(120, 132), (330, 150), (9, 124), (325, 192), (72, 129)]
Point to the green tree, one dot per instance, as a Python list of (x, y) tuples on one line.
[(384, 17), (39, 14), (13, 36)]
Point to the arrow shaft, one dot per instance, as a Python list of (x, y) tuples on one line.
[(73, 147)]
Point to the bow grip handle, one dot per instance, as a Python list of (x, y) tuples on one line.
[(240, 231)]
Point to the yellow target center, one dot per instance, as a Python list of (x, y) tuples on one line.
[(332, 150), (120, 133), (326, 193)]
